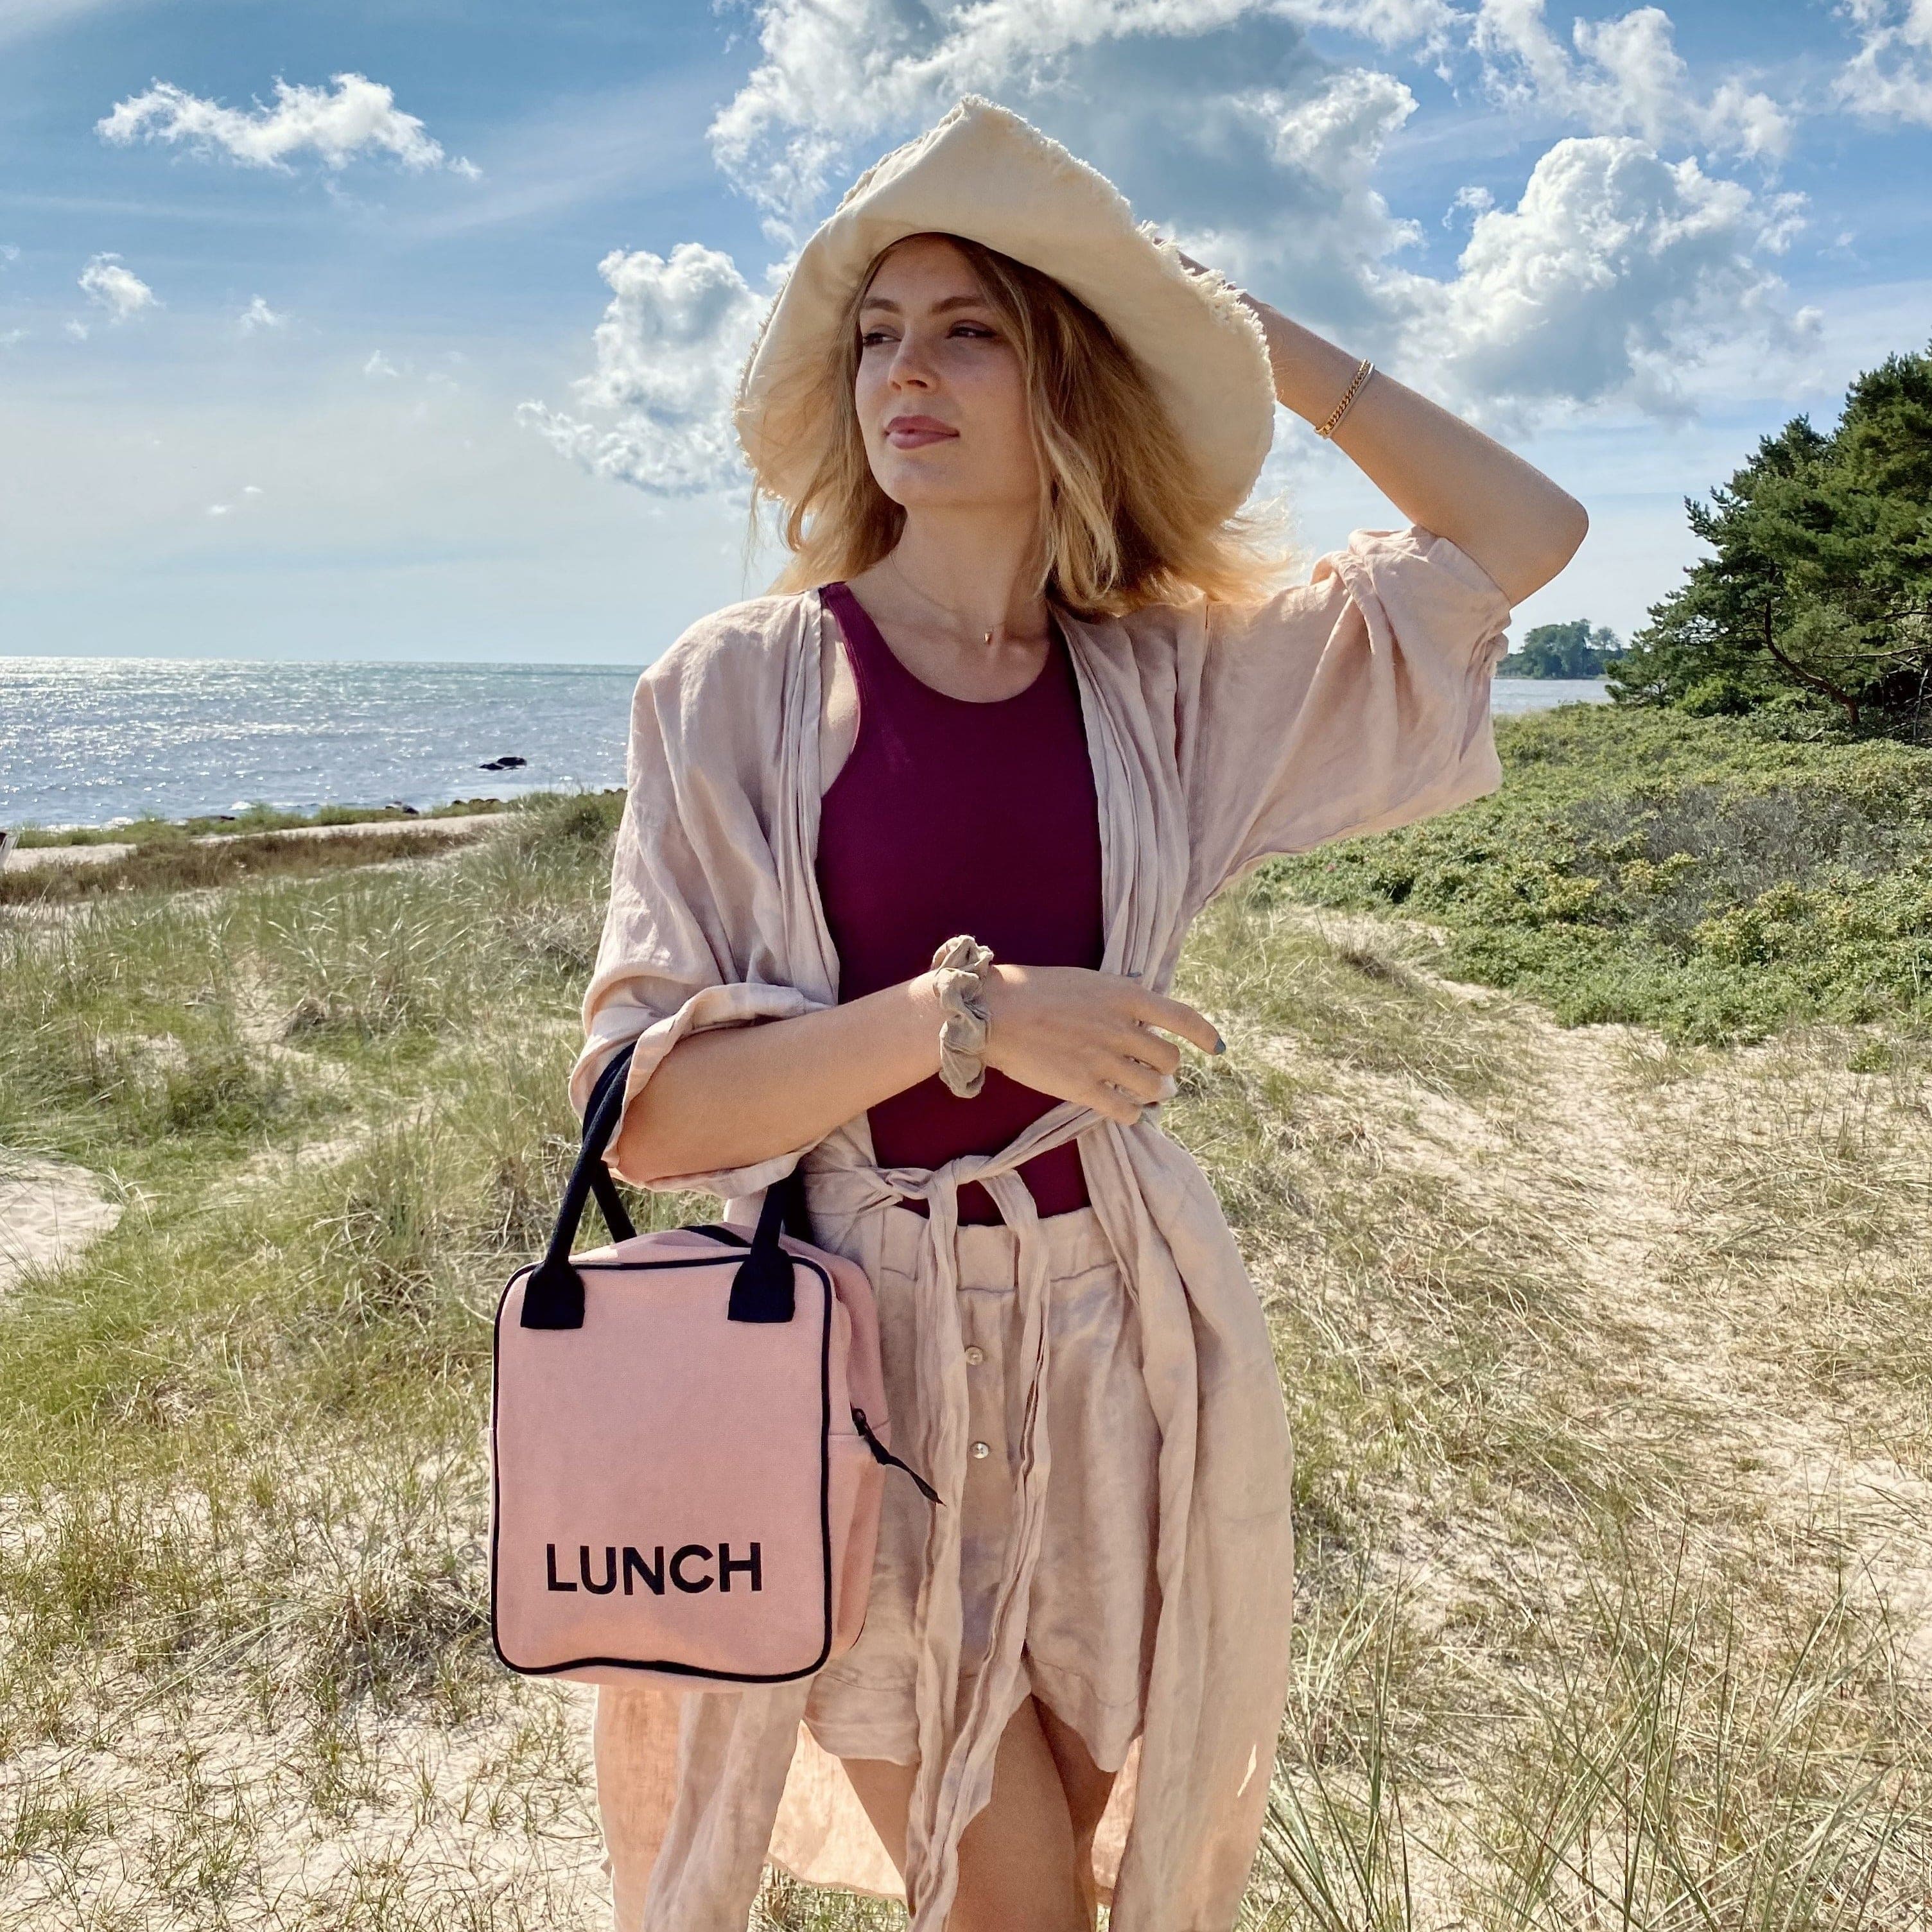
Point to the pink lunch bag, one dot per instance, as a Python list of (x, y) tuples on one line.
[(688, 1445)]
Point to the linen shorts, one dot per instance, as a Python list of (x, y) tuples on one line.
[(1091, 1612)]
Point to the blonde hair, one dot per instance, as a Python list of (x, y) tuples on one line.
[(1124, 519)]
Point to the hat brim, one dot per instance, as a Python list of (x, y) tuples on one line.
[(985, 173)]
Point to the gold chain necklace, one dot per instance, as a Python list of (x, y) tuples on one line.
[(898, 570)]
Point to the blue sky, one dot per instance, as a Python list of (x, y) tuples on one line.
[(405, 330)]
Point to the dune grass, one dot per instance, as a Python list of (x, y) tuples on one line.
[(160, 865), (150, 828), (1606, 1355), (1605, 1366)]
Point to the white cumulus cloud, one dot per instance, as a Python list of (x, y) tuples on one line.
[(258, 315), (359, 116), (1625, 77), (1424, 25), (1890, 76), (1615, 274), (117, 290), (668, 351), (1218, 118), (379, 364), (833, 75)]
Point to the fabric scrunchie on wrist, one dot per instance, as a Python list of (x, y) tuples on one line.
[(959, 968)]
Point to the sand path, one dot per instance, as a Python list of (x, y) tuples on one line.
[(49, 1211)]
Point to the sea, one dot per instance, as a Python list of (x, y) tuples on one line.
[(104, 741)]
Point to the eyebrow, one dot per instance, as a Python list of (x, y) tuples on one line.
[(938, 307)]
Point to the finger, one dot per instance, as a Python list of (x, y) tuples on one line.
[(1178, 1016), (1111, 1103), (1165, 1084), (1139, 1081), (1142, 1043)]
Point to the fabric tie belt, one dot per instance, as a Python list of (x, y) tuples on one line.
[(955, 1777)]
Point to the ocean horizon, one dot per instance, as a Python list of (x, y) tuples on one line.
[(102, 741), (99, 742)]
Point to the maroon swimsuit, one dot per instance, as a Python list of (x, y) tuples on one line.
[(950, 816)]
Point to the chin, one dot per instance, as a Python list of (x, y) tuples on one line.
[(916, 499), (915, 486), (925, 493)]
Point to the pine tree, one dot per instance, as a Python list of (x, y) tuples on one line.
[(1822, 581)]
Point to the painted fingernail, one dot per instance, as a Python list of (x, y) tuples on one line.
[(1220, 1045)]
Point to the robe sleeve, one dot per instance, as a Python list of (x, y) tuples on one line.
[(685, 942), (1352, 703)]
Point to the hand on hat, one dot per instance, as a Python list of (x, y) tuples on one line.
[(1440, 471), (1261, 308)]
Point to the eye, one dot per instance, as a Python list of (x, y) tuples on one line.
[(975, 330), (869, 338)]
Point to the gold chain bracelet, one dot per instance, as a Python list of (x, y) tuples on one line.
[(1363, 372)]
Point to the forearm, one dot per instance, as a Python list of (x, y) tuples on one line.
[(732, 1095), (1437, 470)]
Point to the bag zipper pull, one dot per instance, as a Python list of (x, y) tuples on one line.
[(881, 1453)]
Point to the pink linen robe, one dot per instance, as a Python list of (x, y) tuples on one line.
[(1218, 736)]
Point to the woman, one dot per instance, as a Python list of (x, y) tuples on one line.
[(1022, 685)]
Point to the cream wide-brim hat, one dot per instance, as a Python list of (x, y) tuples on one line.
[(985, 173)]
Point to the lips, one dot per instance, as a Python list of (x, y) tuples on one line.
[(916, 432)]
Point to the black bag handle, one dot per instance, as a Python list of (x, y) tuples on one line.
[(609, 1202), (761, 1291)]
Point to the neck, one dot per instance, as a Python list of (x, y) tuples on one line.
[(978, 566)]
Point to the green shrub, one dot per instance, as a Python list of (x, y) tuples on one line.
[(1718, 876)]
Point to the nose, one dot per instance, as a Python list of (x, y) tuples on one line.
[(910, 369)]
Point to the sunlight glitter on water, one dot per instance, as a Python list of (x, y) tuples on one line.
[(87, 741)]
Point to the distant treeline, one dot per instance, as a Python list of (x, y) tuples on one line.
[(1564, 650), (1820, 593)]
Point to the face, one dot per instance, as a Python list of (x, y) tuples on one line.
[(940, 396)]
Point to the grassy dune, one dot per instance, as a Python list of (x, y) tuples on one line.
[(1607, 1353), (1719, 878), (149, 830)]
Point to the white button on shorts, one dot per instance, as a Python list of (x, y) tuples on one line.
[(981, 1451), (975, 1356)]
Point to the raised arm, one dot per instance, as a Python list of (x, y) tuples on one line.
[(1437, 470)]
